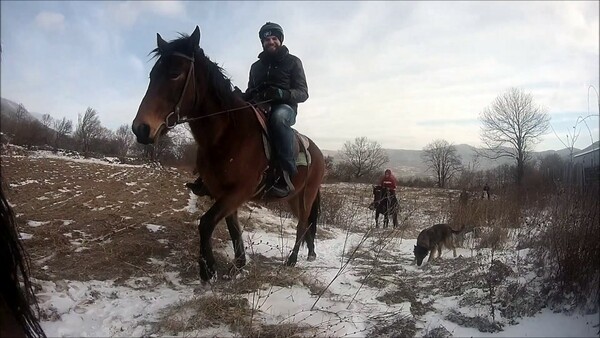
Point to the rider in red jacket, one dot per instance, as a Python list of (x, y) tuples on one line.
[(388, 180)]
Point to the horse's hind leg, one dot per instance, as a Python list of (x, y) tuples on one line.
[(235, 232), (312, 227), (377, 219), (306, 229)]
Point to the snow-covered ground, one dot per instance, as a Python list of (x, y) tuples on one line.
[(349, 308), (363, 283)]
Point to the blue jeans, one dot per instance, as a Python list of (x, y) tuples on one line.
[(281, 119)]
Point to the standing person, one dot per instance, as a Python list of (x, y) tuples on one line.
[(277, 77), (486, 191)]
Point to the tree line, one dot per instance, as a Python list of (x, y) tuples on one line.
[(510, 127), (91, 139)]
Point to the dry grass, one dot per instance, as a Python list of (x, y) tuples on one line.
[(204, 312), (568, 249), (95, 218)]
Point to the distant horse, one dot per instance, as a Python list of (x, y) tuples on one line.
[(16, 315), (386, 204), (233, 158)]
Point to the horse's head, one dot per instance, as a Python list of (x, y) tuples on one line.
[(377, 195), (172, 90)]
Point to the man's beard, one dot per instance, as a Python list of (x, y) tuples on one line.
[(271, 49)]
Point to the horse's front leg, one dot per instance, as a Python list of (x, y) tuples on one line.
[(235, 232), (222, 207), (377, 219)]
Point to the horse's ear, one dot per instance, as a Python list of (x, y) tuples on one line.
[(162, 44), (195, 37)]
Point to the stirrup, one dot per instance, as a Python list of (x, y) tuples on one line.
[(198, 188)]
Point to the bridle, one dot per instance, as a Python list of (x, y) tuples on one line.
[(177, 108)]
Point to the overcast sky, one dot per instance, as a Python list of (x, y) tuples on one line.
[(401, 73)]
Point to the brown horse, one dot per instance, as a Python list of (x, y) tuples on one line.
[(17, 318), (186, 86)]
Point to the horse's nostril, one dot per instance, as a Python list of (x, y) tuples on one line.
[(142, 131)]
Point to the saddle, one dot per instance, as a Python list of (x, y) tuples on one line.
[(300, 145)]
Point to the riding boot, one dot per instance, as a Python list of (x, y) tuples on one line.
[(198, 187), (282, 187)]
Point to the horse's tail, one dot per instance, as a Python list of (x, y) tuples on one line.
[(314, 215)]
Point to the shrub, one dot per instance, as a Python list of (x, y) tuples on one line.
[(569, 248)]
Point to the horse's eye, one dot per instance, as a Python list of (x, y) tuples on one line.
[(174, 75)]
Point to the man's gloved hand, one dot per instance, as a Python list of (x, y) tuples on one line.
[(276, 94)]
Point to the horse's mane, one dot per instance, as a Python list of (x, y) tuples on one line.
[(218, 81), (14, 261)]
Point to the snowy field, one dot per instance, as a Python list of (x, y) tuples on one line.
[(114, 250)]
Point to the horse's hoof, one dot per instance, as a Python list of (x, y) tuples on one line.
[(235, 272), (291, 261), (206, 273), (311, 257)]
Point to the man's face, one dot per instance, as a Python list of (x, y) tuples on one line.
[(271, 44)]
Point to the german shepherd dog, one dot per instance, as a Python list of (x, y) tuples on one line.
[(435, 237)]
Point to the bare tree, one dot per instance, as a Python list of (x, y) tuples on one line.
[(124, 139), (512, 124), (62, 128), (441, 158), (47, 123), (20, 114), (46, 120), (363, 156), (88, 128)]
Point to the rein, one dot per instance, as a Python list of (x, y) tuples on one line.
[(177, 109)]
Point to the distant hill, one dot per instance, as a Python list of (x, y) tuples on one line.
[(8, 107)]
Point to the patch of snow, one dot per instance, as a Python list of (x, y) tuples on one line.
[(20, 184), (24, 235), (35, 224), (101, 309), (154, 227), (79, 159)]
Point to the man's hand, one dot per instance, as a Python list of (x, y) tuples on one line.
[(276, 94)]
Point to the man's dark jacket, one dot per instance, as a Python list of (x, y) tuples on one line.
[(282, 70)]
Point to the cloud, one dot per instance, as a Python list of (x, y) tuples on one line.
[(51, 21), (402, 73), (126, 14)]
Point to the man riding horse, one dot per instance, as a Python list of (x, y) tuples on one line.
[(277, 77), (388, 181), (385, 201)]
